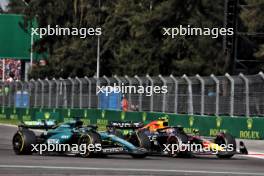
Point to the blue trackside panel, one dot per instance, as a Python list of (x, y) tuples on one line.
[(103, 101), (21, 99), (114, 101), (111, 101)]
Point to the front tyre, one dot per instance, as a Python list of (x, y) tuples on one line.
[(143, 140), (23, 141), (87, 139), (229, 141), (139, 153)]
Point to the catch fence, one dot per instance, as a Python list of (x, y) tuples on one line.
[(241, 95)]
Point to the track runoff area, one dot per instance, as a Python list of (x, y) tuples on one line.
[(11, 164)]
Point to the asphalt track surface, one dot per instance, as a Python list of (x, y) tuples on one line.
[(11, 164)]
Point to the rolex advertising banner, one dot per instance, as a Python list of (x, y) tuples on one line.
[(240, 127)]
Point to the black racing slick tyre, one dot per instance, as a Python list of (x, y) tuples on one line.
[(139, 155), (140, 139), (87, 139), (23, 141), (229, 141), (143, 140), (176, 149)]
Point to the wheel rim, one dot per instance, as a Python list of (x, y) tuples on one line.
[(173, 141), (85, 140)]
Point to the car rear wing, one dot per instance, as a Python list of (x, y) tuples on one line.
[(43, 124), (125, 125)]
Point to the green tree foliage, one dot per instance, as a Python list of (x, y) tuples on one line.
[(254, 10), (132, 41), (68, 55), (136, 44), (252, 15)]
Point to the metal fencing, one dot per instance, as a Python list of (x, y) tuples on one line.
[(241, 95)]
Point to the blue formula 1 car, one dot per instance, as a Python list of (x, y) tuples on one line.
[(74, 137)]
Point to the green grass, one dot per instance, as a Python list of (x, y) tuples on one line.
[(9, 121)]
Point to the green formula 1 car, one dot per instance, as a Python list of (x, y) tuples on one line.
[(76, 139)]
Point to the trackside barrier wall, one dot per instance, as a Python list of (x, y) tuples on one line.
[(240, 127)]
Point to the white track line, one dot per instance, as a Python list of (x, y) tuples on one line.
[(128, 169), (8, 125), (253, 154), (15, 126)]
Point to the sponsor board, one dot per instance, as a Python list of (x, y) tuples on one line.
[(240, 127)]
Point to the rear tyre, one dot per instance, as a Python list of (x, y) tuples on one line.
[(23, 141), (228, 140), (86, 140), (176, 149)]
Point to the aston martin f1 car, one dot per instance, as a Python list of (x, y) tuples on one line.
[(159, 138), (74, 134)]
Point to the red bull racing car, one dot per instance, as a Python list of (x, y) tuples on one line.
[(159, 138)]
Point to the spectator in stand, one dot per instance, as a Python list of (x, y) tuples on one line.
[(11, 77), (11, 67)]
